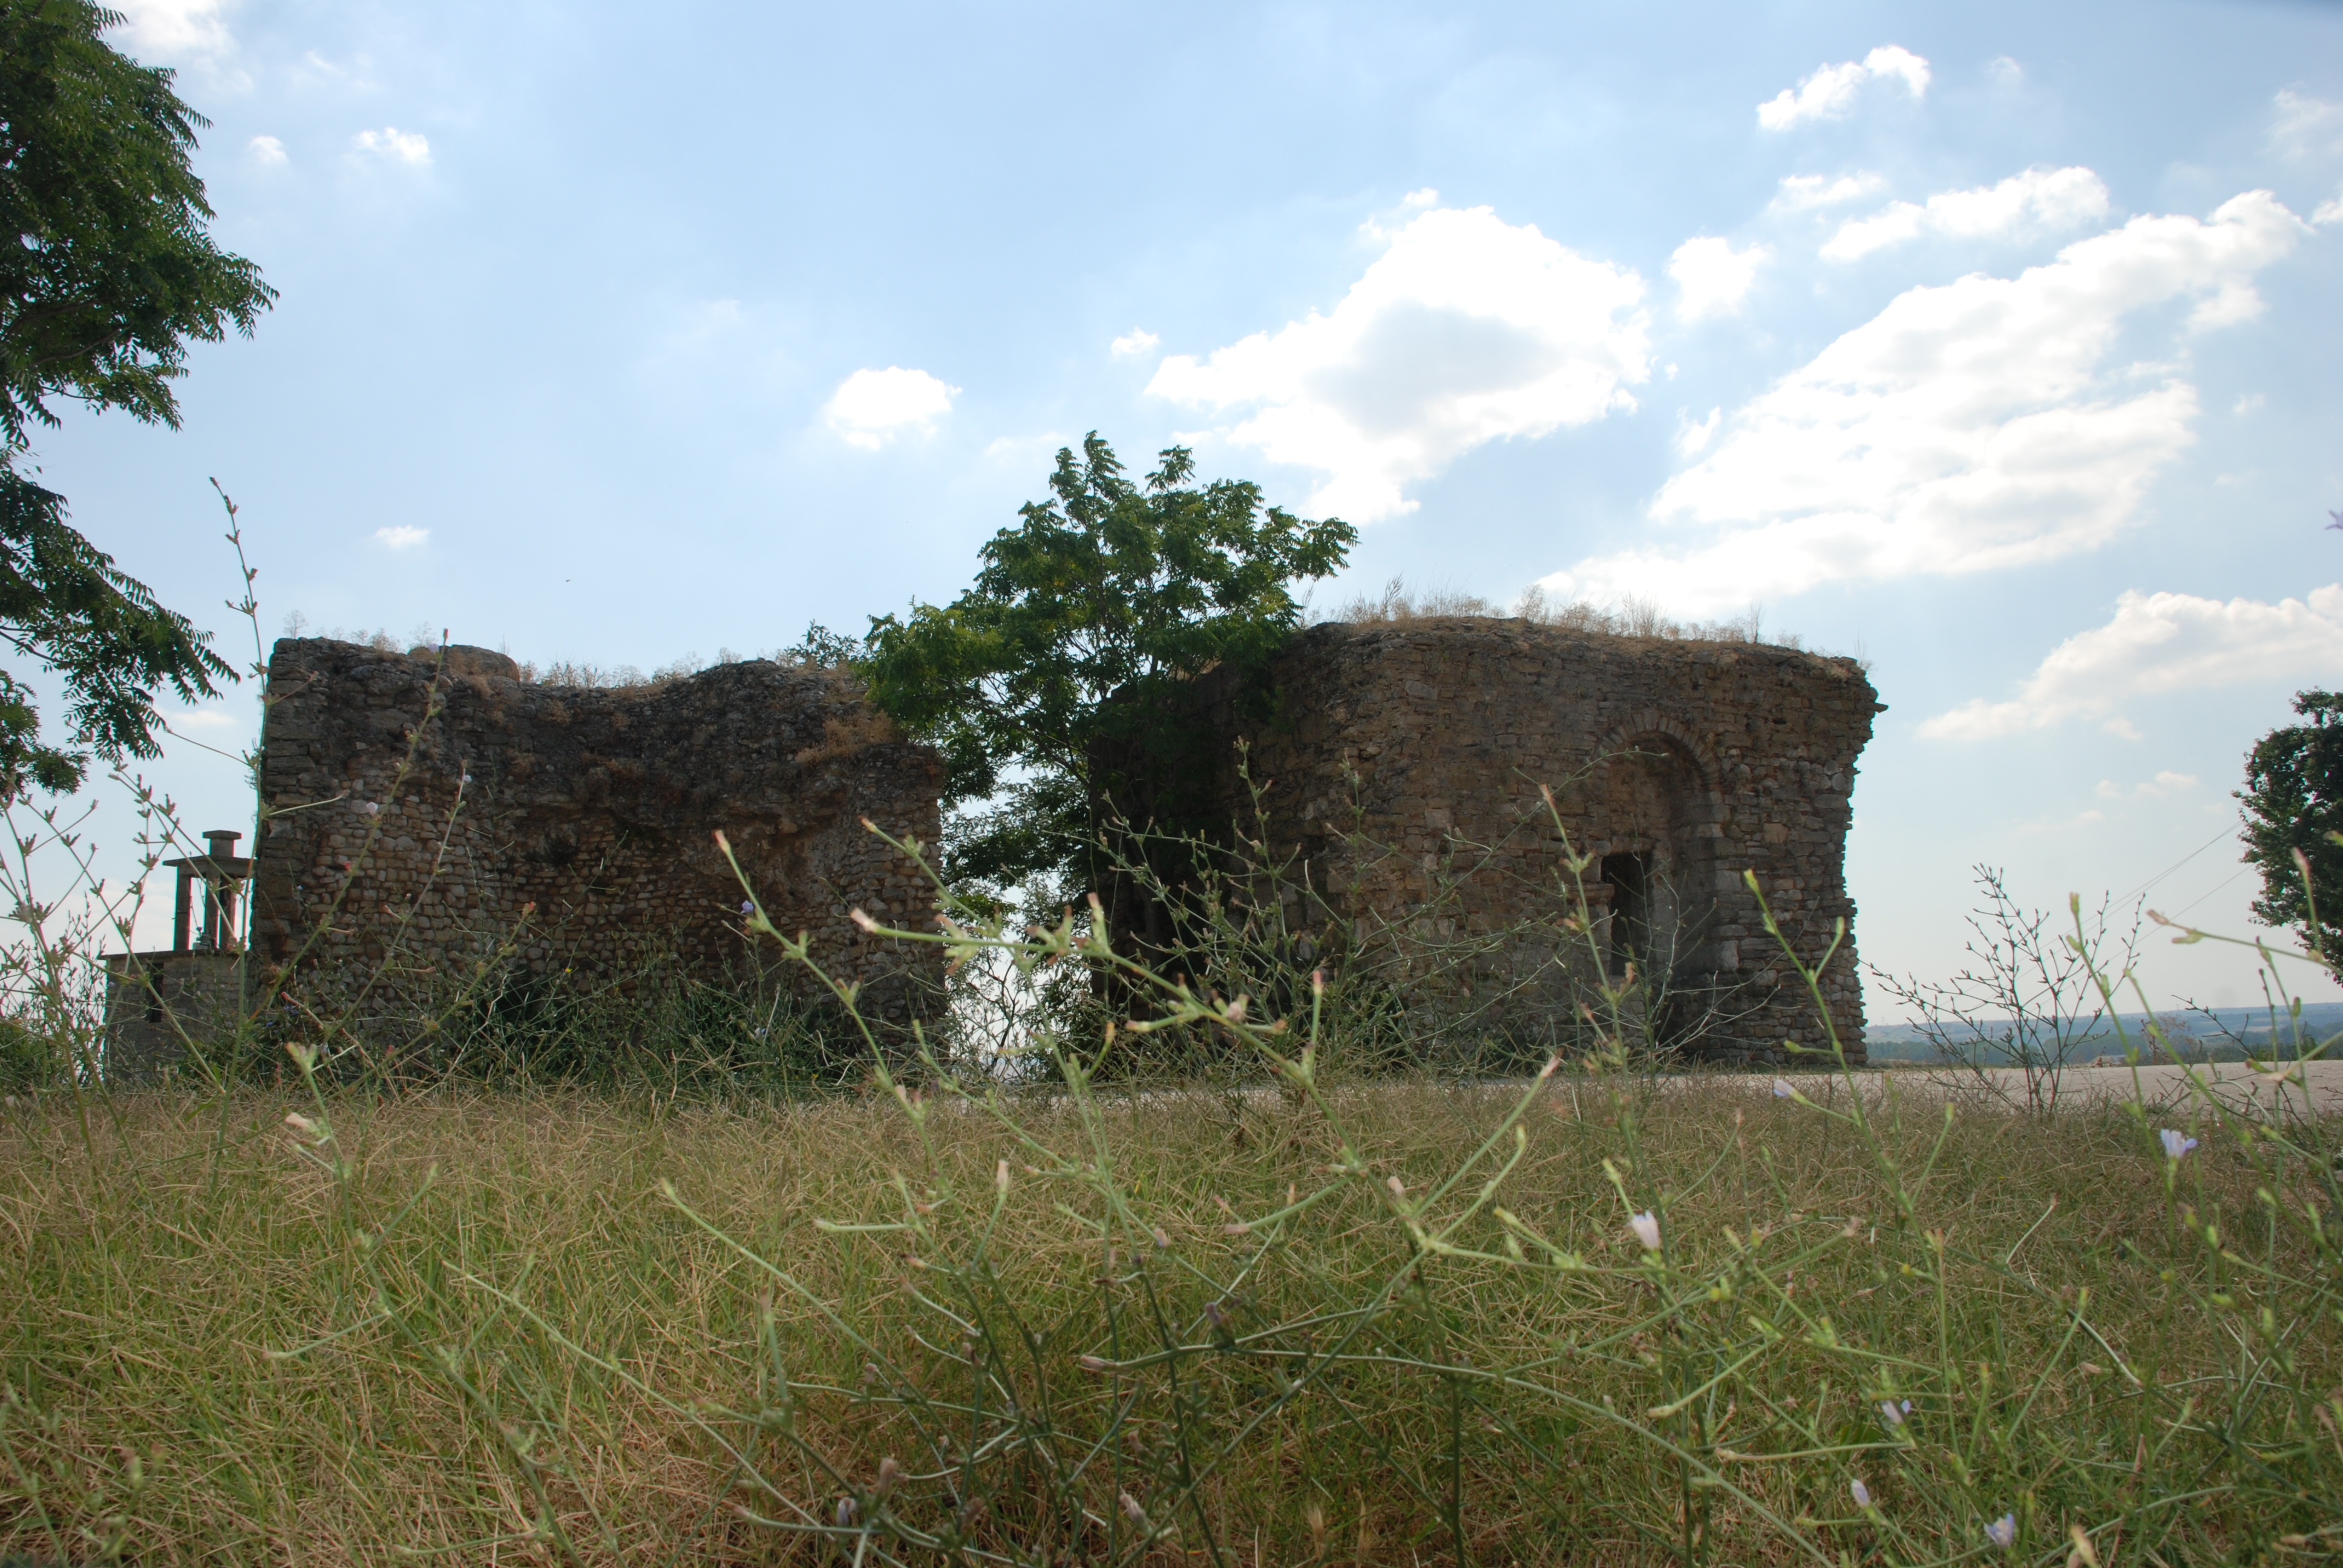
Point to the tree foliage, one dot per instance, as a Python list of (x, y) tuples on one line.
[(109, 273), (64, 602), (1084, 622), (2294, 800)]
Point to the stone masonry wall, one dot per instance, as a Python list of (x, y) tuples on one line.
[(596, 807), (1402, 754)]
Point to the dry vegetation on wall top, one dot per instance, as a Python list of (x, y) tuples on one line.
[(1632, 616)]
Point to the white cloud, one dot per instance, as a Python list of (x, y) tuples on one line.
[(2165, 783), (400, 147), (2021, 207), (2158, 643), (1711, 277), (1968, 426), (2305, 126), (2005, 71), (1830, 92), (1465, 330), (2328, 211), (175, 29), (871, 407), (1799, 193), (1035, 449), (204, 718), (2250, 403), (403, 537), (266, 151), (1133, 343), (1693, 440)]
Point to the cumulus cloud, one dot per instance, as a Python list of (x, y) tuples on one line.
[(1692, 437), (403, 537), (410, 147), (1711, 277), (2165, 783), (1830, 93), (1967, 427), (266, 151), (175, 29), (871, 407), (2303, 124), (1801, 192), (1465, 330), (2021, 207), (1133, 343), (2157, 643)]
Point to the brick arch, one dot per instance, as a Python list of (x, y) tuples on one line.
[(1653, 724)]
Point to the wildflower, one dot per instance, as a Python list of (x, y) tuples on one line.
[(1646, 1226), (890, 1472), (1162, 1240), (1862, 1493), (2175, 1143), (468, 778), (2002, 1532), (1892, 1412), (1781, 1090), (763, 1032), (298, 1122), (846, 1511), (748, 906), (371, 808)]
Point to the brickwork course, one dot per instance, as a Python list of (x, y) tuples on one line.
[(560, 828), (1404, 763)]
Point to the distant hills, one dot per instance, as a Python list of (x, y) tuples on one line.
[(2214, 1034)]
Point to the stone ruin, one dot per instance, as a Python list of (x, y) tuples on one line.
[(558, 829), (1402, 764)]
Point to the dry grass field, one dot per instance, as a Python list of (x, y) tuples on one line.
[(1400, 1324)]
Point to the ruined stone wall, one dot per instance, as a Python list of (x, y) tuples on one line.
[(576, 825), (1404, 760)]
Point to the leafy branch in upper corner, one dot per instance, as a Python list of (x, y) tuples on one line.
[(110, 271), (1045, 684)]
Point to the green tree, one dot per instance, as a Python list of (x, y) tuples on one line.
[(1084, 621), (110, 275), (2294, 800)]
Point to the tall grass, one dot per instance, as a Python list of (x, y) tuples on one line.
[(1608, 1315)]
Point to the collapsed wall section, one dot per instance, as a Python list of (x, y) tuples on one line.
[(422, 824), (1404, 765)]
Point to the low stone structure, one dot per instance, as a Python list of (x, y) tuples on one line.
[(1404, 764), (158, 1002), (423, 822)]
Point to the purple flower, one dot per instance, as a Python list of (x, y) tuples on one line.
[(1781, 1090), (748, 906), (1862, 1493), (2175, 1143), (2002, 1532), (1646, 1226), (1894, 1410)]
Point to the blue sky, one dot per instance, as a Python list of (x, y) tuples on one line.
[(1992, 343)]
